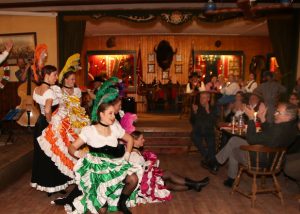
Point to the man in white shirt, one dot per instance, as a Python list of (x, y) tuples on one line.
[(251, 84), (229, 91)]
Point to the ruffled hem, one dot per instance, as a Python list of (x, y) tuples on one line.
[(121, 169), (152, 188), (51, 189), (47, 147)]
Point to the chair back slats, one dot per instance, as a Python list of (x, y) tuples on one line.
[(263, 159), (257, 161)]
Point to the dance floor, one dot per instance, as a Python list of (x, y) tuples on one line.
[(19, 197)]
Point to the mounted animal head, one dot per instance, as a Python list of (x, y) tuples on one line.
[(164, 54)]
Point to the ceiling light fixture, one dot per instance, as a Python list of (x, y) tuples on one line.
[(210, 6)]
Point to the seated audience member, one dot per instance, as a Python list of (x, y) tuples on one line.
[(203, 119), (235, 109), (229, 91), (251, 84), (255, 102), (294, 99), (213, 85), (194, 84), (279, 134)]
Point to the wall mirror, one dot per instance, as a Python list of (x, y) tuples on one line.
[(209, 63), (121, 64)]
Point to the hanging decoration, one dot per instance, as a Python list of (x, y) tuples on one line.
[(176, 17)]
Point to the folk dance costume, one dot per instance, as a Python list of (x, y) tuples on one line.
[(152, 188), (151, 185), (64, 128), (100, 174), (45, 175), (66, 122)]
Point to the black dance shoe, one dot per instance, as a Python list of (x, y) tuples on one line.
[(196, 185), (60, 201)]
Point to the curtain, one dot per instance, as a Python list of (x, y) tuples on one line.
[(70, 38), (284, 34)]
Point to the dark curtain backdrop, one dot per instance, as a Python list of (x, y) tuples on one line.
[(284, 35), (70, 38)]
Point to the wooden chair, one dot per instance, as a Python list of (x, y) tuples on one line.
[(255, 166)]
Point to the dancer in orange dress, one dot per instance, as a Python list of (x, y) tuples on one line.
[(66, 122)]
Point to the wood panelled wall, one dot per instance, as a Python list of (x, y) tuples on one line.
[(250, 45)]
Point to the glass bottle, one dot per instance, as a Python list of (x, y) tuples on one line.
[(240, 124)]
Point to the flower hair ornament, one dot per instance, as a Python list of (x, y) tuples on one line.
[(72, 64), (37, 66), (105, 94)]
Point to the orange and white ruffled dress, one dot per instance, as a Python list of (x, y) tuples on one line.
[(66, 123)]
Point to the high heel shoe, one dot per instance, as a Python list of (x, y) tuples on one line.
[(60, 201), (196, 185)]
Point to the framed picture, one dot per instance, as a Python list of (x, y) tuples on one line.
[(165, 75), (178, 58), (151, 68), (151, 57), (23, 45), (178, 69)]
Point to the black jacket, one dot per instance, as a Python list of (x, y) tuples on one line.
[(272, 135), (204, 122)]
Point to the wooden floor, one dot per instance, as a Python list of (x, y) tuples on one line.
[(20, 198)]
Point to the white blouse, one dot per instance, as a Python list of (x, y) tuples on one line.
[(93, 138), (41, 99), (60, 92), (137, 158)]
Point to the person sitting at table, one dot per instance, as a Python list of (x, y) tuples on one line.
[(281, 133), (229, 91), (235, 109), (213, 85), (203, 120), (251, 84), (194, 84), (294, 99)]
